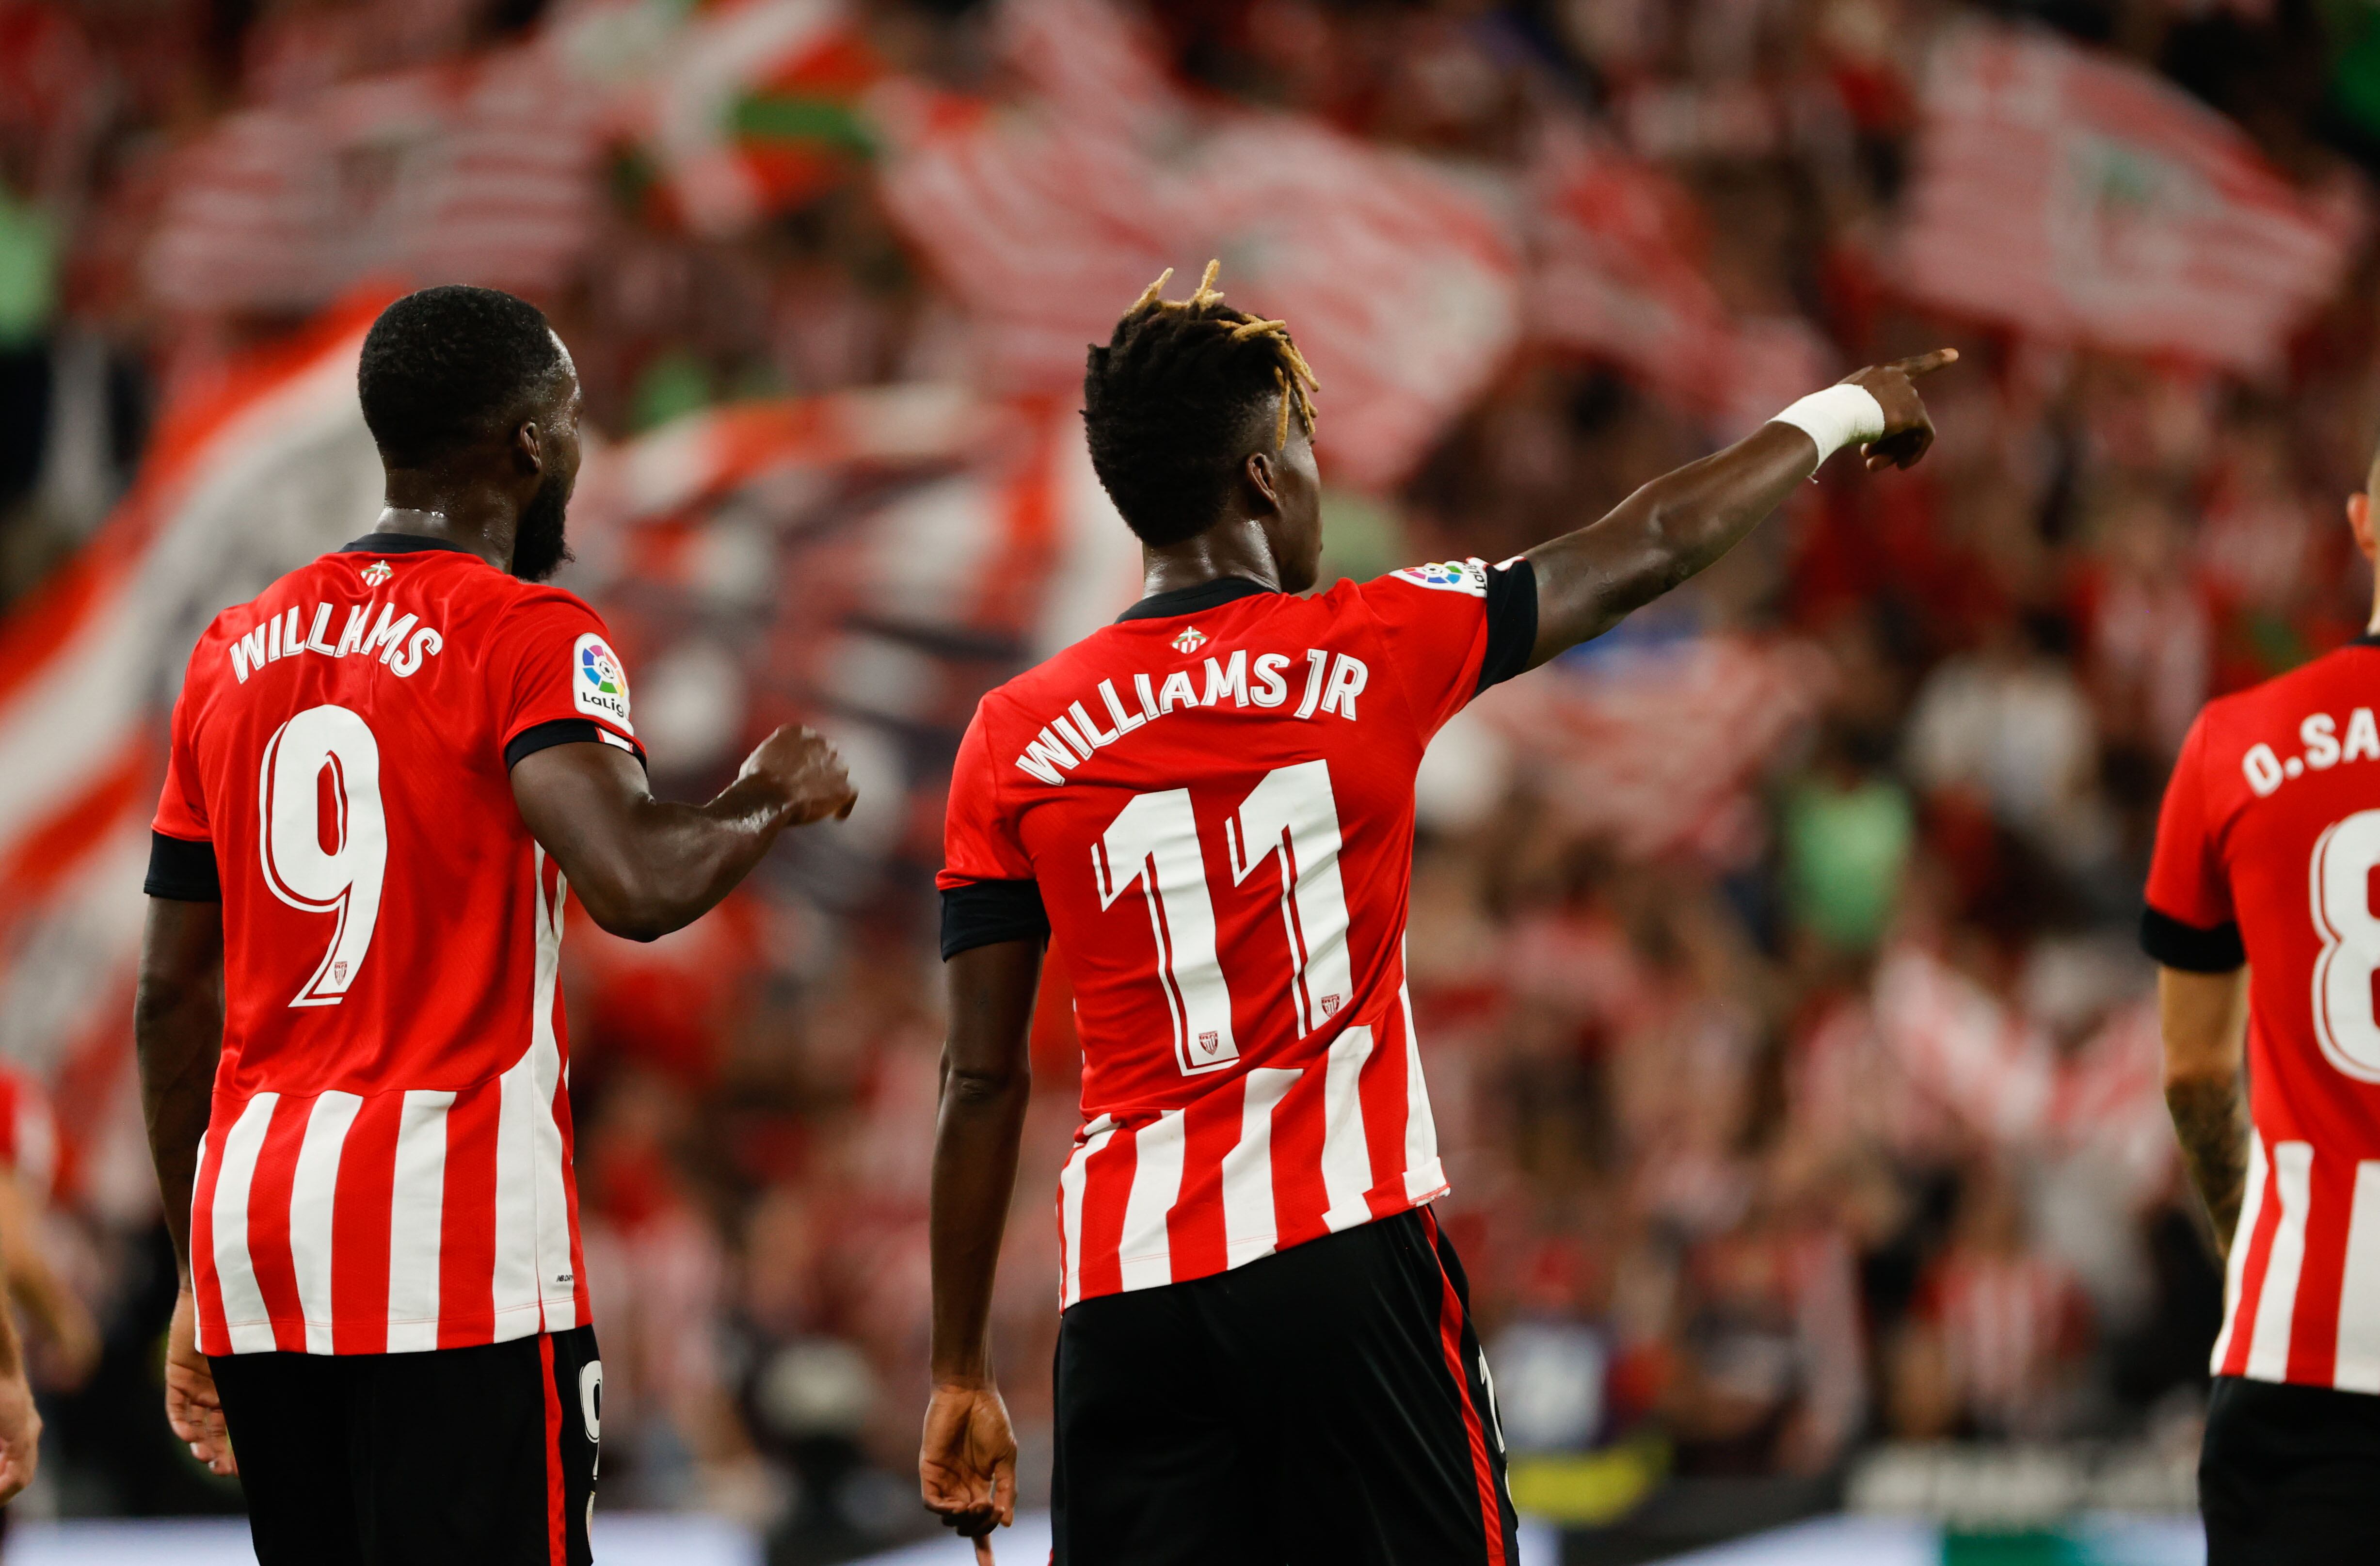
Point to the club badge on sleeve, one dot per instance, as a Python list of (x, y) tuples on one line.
[(598, 681)]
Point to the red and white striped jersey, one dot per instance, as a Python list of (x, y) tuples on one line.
[(2265, 856), (1211, 802), (387, 1164)]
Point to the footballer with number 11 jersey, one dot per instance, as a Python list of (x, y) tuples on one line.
[(385, 769), (1206, 810)]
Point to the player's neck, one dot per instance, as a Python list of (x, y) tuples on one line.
[(1236, 548), (433, 522)]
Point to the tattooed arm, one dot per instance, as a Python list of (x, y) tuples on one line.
[(2204, 1018)]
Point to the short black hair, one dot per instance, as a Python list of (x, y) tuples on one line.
[(447, 368), (1172, 402)]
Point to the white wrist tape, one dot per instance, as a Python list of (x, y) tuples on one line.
[(1835, 418)]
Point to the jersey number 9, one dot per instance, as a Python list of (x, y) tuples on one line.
[(322, 835)]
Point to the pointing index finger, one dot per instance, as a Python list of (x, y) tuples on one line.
[(1924, 364)]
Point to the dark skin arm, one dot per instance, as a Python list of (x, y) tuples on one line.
[(644, 867), (2204, 1018), (177, 1018), (1589, 581), (966, 1461)]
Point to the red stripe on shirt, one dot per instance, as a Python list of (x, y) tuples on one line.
[(557, 1524), (1107, 1188), (206, 1282), (2251, 1277), (2313, 1336), (268, 1222), (1193, 1229), (1450, 1335), (466, 1230), (359, 1217)]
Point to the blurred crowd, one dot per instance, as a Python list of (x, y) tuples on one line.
[(1772, 957)]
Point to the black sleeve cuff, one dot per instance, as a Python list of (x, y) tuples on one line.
[(182, 870), (2189, 948), (568, 731), (982, 913), (1511, 623)]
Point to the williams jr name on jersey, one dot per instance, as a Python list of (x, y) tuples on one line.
[(1209, 805)]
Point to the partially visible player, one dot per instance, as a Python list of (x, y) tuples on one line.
[(2261, 915), (1266, 1353), (21, 1423), (29, 1150), (386, 773)]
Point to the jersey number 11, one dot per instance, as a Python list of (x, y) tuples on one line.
[(1153, 843)]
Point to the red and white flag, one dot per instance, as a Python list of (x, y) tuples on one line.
[(1049, 215), (1616, 270), (266, 467), (2080, 199), (481, 170)]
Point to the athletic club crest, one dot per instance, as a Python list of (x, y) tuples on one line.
[(1191, 639), (378, 571)]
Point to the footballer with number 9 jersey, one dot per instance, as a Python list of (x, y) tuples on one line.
[(1266, 1353), (386, 769), (2263, 916)]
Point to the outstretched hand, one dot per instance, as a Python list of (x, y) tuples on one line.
[(191, 1406), (1908, 432), (967, 1463)]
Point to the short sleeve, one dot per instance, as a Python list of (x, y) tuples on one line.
[(181, 843), (1453, 629), (989, 892), (556, 679), (182, 807), (2187, 922)]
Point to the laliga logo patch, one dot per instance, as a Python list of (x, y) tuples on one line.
[(1191, 639), (1451, 576), (378, 571), (598, 682)]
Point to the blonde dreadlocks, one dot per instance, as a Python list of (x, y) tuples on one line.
[(1171, 404)]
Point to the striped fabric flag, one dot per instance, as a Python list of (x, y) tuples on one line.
[(755, 105), (1656, 746), (270, 467), (1049, 215), (2083, 199), (479, 170), (1615, 272)]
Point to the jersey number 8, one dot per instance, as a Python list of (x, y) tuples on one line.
[(2343, 1012), (322, 835)]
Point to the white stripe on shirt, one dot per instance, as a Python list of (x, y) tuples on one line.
[(1145, 1249), (1346, 1156), (244, 1308), (313, 1203), (417, 1212), (2276, 1305)]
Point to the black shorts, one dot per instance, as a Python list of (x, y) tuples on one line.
[(1326, 1404), (480, 1455), (2289, 1475)]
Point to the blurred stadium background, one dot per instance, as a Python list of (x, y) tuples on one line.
[(1773, 955)]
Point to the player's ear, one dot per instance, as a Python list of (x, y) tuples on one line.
[(1263, 481), (2359, 520), (528, 445)]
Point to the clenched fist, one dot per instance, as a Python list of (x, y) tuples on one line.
[(802, 767)]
